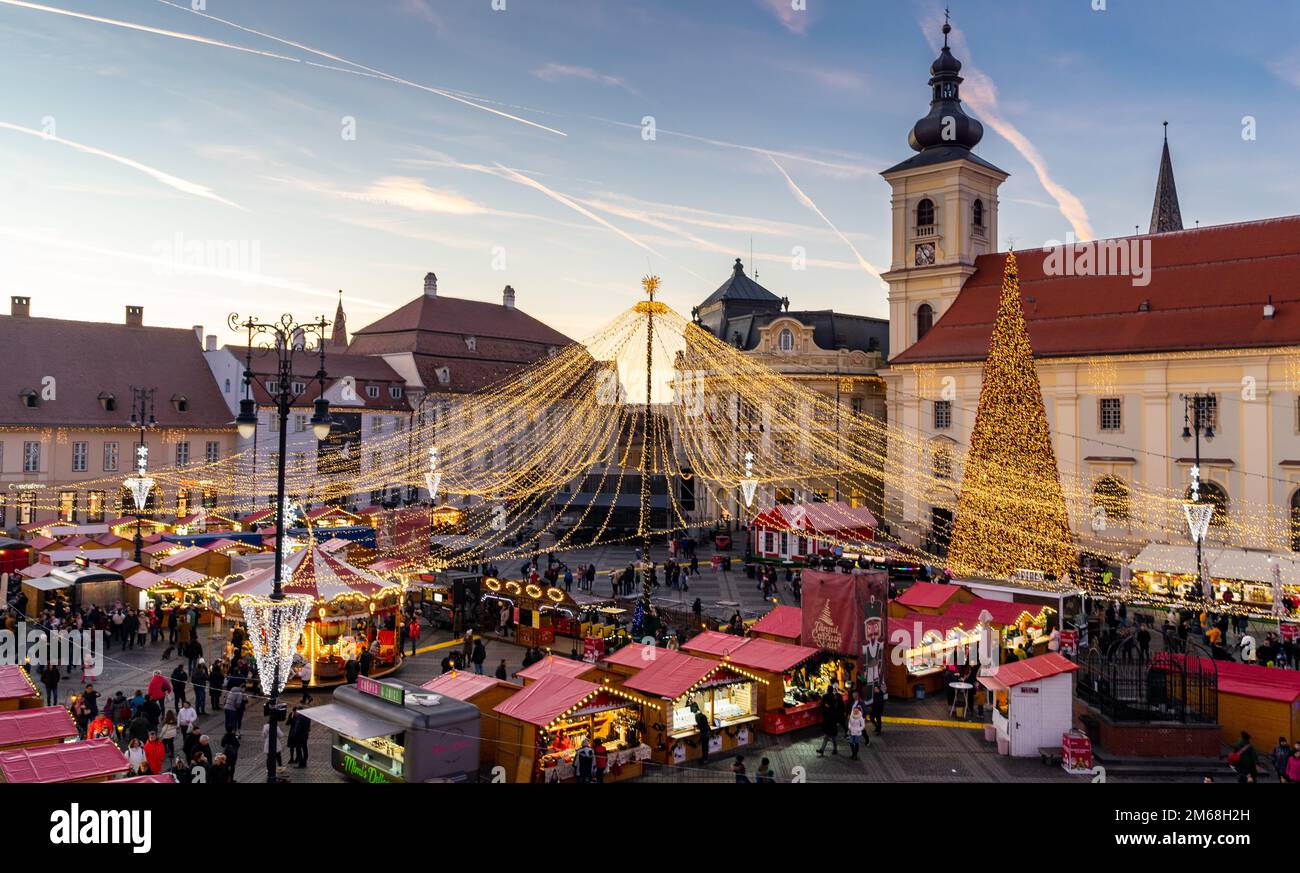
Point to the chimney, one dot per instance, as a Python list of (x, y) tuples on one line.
[(198, 333), (211, 344), (135, 316), (20, 307), (508, 298), (430, 285)]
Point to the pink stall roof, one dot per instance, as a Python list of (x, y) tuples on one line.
[(553, 666), (1245, 680), (33, 725), (634, 655), (782, 621), (927, 595), (714, 643), (541, 702), (14, 682), (671, 675), (151, 777), (1002, 611), (66, 762), (770, 656), (184, 555), (463, 685)]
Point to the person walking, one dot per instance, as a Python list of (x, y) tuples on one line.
[(1244, 759), (299, 733), (765, 773), (857, 723), (877, 707), (413, 634), (832, 715), (1282, 753), (200, 678), (50, 676), (279, 744), (304, 676), (234, 709), (478, 655), (738, 770), (178, 685)]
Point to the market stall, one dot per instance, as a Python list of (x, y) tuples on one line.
[(1020, 627), (782, 625), (926, 646), (541, 611), (393, 731), (928, 598), (73, 584), (1252, 579), (181, 587), (781, 704), (544, 725), (553, 665), (17, 690), (795, 533), (843, 616), (482, 692), (37, 727), (352, 610), (681, 686), (1033, 703), (1263, 701), (85, 761)]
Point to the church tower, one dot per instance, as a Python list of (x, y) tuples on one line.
[(945, 208), (339, 335), (1165, 215)]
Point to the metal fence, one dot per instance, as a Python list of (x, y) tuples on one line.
[(1166, 686)]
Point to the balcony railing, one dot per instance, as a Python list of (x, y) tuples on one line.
[(925, 231)]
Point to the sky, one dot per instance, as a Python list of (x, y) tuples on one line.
[(258, 156)]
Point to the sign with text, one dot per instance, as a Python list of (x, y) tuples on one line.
[(382, 690)]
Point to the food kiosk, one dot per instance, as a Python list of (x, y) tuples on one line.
[(17, 690), (32, 728), (85, 761), (392, 731), (923, 646), (541, 611), (681, 685), (351, 610), (543, 726), (1033, 703), (79, 582), (776, 664), (484, 692)]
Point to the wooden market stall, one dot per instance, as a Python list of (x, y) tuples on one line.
[(86, 761), (483, 692), (33, 728), (543, 725), (796, 533), (553, 665), (353, 610), (927, 646), (17, 691), (680, 686), (1033, 703), (781, 704), (1021, 627), (783, 625), (1263, 701), (541, 611)]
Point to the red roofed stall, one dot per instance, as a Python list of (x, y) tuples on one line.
[(542, 727), (484, 692), (931, 597), (1263, 701), (557, 666), (33, 728), (1033, 703), (87, 761), (17, 690), (783, 705), (783, 624)]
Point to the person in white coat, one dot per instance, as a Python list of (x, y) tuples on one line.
[(857, 724)]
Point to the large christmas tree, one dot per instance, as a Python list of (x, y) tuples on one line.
[(1011, 511)]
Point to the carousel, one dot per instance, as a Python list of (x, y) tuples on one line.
[(353, 611)]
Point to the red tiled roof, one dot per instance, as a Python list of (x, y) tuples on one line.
[(364, 369), (1218, 276), (34, 725), (453, 315), (109, 359), (928, 595), (782, 621), (66, 762)]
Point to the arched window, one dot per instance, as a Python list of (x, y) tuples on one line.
[(925, 213), (785, 342), (1295, 521), (1111, 495), (941, 461), (924, 320), (978, 213), (1212, 492)]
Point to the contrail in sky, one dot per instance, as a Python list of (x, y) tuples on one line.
[(807, 201), (166, 178), (374, 72)]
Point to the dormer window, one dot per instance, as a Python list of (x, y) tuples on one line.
[(395, 392), (180, 403), (29, 398), (107, 401), (785, 340), (298, 387), (471, 343), (372, 391)]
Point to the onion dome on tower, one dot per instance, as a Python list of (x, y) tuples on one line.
[(947, 125)]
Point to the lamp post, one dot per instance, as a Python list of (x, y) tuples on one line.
[(142, 419), (278, 339), (1198, 419)]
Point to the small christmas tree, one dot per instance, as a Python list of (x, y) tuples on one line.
[(1011, 511)]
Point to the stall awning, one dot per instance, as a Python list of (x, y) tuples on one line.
[(1002, 612), (781, 621), (48, 583), (634, 655), (351, 722), (144, 579)]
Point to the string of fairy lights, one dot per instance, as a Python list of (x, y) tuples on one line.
[(571, 436)]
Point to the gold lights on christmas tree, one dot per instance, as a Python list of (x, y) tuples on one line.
[(1011, 510)]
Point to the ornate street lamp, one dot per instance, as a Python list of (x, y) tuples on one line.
[(275, 624)]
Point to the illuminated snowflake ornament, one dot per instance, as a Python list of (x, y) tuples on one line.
[(433, 478), (140, 484), (749, 484)]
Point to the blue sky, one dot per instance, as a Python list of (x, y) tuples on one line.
[(122, 144)]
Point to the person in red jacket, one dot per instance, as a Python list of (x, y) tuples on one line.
[(155, 753), (102, 726), (159, 688)]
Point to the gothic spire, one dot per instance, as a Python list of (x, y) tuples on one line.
[(339, 336), (1164, 212)]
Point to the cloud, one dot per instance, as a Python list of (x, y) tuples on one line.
[(794, 20), (555, 72), (981, 94), (808, 202), (413, 194), (422, 10), (1287, 70), (182, 185)]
